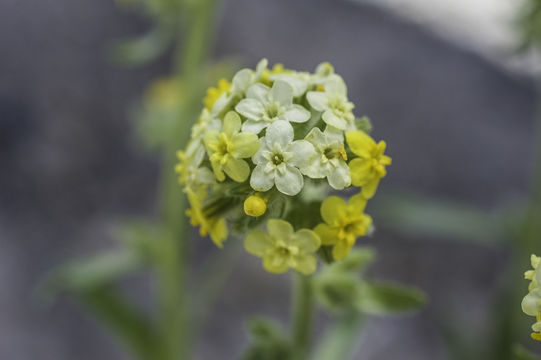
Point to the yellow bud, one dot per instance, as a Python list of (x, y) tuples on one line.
[(255, 206)]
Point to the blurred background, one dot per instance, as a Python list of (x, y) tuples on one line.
[(442, 82)]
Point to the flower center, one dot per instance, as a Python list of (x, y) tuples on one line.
[(272, 110), (335, 153), (277, 159)]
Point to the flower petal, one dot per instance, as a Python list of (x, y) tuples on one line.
[(258, 92), (242, 80), (297, 114), (258, 243), (335, 84), (289, 182), (281, 92), (260, 180), (340, 250), (317, 100), (244, 145), (305, 264), (280, 229), (279, 132), (360, 143), (303, 153), (333, 120), (275, 263), (369, 189), (340, 177), (360, 171), (327, 234), (253, 126), (250, 108), (231, 123), (333, 209), (316, 137), (237, 169), (307, 240)]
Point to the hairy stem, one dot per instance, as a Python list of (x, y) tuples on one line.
[(302, 314)]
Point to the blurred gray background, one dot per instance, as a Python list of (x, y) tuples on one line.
[(459, 125)]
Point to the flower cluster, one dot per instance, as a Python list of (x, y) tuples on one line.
[(531, 304), (268, 147)]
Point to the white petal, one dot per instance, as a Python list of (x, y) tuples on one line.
[(259, 157), (335, 84), (250, 108), (297, 114), (259, 92), (279, 132), (315, 170), (316, 137), (281, 92), (333, 120), (261, 66), (317, 100), (242, 80), (339, 178), (260, 180), (298, 84), (253, 126), (290, 182), (334, 135), (221, 103), (303, 152)]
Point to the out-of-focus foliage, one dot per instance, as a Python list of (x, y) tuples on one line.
[(529, 23)]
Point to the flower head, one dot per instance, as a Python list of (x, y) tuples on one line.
[(280, 160), (282, 248), (270, 144), (344, 223), (369, 167), (226, 149)]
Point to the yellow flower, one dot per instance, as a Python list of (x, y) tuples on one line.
[(369, 167), (215, 227), (344, 223), (213, 93), (282, 248), (255, 205), (531, 274), (164, 92), (226, 149)]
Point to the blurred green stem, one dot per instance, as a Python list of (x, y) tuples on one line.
[(302, 314), (340, 340), (173, 262)]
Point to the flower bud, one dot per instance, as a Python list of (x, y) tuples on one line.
[(255, 206)]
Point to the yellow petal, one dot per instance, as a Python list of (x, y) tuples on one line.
[(369, 189), (327, 235), (280, 229), (333, 209), (237, 169), (232, 123), (305, 264), (340, 250), (218, 231), (275, 264), (360, 143), (361, 171), (244, 145), (307, 241), (258, 243)]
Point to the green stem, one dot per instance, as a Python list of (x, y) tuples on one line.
[(302, 313), (173, 263), (339, 341)]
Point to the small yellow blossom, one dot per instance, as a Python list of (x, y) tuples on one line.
[(282, 248), (164, 92), (213, 93), (531, 274), (531, 304), (369, 167), (344, 223), (215, 227), (255, 205), (226, 149)]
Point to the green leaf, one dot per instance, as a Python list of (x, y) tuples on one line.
[(123, 320), (268, 342), (418, 215), (364, 124), (358, 258), (521, 353), (337, 291), (387, 298), (84, 275)]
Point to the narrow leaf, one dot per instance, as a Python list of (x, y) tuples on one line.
[(388, 298)]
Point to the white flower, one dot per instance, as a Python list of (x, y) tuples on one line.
[(242, 80), (192, 174), (330, 159), (280, 160), (333, 102), (263, 106)]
